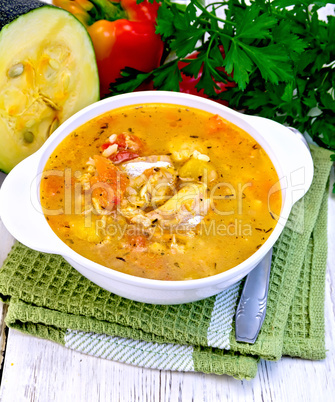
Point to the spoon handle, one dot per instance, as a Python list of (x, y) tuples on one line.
[(251, 309)]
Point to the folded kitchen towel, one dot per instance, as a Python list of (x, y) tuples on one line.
[(50, 299)]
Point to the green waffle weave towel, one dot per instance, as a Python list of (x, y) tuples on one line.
[(49, 299)]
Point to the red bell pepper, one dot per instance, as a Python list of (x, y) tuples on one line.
[(123, 156), (123, 35)]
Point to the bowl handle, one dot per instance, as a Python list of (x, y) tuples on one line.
[(21, 212)]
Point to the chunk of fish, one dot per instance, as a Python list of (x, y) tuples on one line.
[(136, 167), (186, 208), (152, 180), (160, 186), (136, 216)]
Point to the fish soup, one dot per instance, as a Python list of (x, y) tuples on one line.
[(161, 191)]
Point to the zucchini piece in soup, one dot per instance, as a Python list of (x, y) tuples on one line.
[(48, 72)]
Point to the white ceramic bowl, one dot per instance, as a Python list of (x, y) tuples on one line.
[(21, 212)]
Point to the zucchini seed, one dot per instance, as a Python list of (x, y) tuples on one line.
[(16, 70), (54, 64), (28, 137), (53, 126)]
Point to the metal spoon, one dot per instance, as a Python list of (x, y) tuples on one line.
[(251, 309)]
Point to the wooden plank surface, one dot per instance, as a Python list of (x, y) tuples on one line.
[(39, 370)]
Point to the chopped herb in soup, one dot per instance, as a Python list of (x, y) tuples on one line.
[(161, 191)]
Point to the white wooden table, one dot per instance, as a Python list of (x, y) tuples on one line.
[(39, 370)]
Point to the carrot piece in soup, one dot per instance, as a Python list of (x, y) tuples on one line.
[(139, 243), (109, 183), (129, 141), (54, 184), (215, 123)]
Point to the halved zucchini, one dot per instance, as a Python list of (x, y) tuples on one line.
[(47, 73)]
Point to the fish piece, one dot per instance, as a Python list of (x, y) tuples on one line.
[(159, 187), (182, 150), (136, 167), (152, 180), (135, 216), (186, 208)]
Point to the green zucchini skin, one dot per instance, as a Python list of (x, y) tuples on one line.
[(12, 9), (32, 33)]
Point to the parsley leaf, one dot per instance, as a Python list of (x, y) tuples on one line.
[(240, 63), (272, 62), (167, 77), (131, 79), (254, 25)]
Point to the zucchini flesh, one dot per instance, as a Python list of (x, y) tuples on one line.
[(48, 72)]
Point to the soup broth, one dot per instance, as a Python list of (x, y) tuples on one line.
[(161, 191)]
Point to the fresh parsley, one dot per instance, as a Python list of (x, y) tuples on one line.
[(280, 54)]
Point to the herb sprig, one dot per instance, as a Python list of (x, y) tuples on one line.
[(279, 53)]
